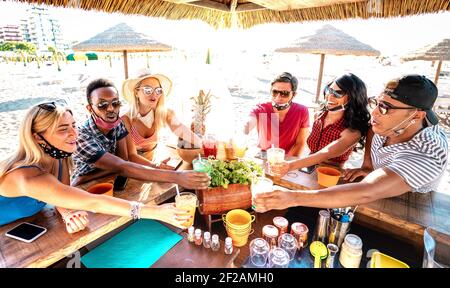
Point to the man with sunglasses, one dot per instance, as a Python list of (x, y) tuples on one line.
[(281, 122), (408, 152), (102, 147)]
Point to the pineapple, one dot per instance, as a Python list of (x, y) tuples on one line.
[(201, 108)]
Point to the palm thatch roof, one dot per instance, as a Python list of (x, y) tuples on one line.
[(244, 14), (434, 52), (330, 40), (120, 38)]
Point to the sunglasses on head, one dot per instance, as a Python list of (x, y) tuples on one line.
[(148, 90), (384, 107), (105, 104), (283, 93), (336, 93), (51, 106)]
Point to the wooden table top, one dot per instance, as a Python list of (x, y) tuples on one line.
[(404, 217), (57, 244)]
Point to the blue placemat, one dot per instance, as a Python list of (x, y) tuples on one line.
[(138, 246)]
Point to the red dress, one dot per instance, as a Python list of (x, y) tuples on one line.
[(321, 137), (284, 134)]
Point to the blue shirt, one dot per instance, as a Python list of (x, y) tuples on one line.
[(14, 208), (92, 144)]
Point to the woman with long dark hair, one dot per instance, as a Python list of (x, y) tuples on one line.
[(341, 124)]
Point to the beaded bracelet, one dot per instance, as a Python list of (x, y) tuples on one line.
[(135, 210)]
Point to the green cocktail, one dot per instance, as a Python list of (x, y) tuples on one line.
[(201, 165)]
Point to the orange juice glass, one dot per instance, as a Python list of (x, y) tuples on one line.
[(187, 201)]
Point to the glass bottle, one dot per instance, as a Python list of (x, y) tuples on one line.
[(215, 244), (198, 237), (351, 251), (228, 245), (332, 251), (207, 239), (191, 234)]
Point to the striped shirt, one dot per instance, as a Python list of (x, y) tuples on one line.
[(421, 161)]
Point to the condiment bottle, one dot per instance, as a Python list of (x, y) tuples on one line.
[(191, 234), (282, 224), (207, 239), (351, 251), (215, 244), (228, 245), (198, 237), (300, 232), (270, 234)]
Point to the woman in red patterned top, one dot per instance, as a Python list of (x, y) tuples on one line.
[(337, 129)]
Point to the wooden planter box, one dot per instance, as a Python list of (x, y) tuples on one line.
[(219, 200)]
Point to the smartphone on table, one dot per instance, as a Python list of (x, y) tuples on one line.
[(308, 170), (26, 232)]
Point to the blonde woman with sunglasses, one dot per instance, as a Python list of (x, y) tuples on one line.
[(38, 173), (146, 96)]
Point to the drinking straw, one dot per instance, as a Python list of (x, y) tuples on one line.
[(178, 190), (199, 157)]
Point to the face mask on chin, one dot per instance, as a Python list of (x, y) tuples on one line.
[(52, 150), (337, 108), (104, 124), (281, 107)]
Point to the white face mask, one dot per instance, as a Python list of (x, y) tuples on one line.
[(147, 119)]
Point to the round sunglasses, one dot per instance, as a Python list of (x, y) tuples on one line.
[(148, 90), (384, 107)]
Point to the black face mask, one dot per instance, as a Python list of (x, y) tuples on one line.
[(281, 107), (53, 151)]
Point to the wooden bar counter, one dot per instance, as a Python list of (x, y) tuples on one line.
[(404, 217), (57, 243)]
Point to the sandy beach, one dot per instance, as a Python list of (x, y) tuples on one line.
[(237, 86)]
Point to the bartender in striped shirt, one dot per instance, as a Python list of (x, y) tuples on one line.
[(409, 152)]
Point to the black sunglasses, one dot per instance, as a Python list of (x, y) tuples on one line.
[(51, 106), (384, 107), (283, 93), (104, 104), (336, 93)]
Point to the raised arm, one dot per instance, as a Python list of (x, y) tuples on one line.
[(381, 183), (46, 188)]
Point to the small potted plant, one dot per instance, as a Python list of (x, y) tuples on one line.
[(230, 186)]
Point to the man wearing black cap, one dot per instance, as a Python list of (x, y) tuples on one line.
[(408, 153), (281, 122)]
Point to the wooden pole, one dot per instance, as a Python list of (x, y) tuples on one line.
[(438, 71), (125, 63), (319, 81)]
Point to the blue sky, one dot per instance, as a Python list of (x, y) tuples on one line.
[(390, 36)]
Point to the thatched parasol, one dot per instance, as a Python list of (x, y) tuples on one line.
[(244, 14), (329, 40), (121, 38), (434, 52)]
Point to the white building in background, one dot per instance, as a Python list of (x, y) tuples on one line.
[(10, 33), (42, 30)]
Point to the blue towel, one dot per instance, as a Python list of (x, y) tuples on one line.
[(138, 246)]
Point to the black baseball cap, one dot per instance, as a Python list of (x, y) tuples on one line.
[(288, 78), (417, 91)]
